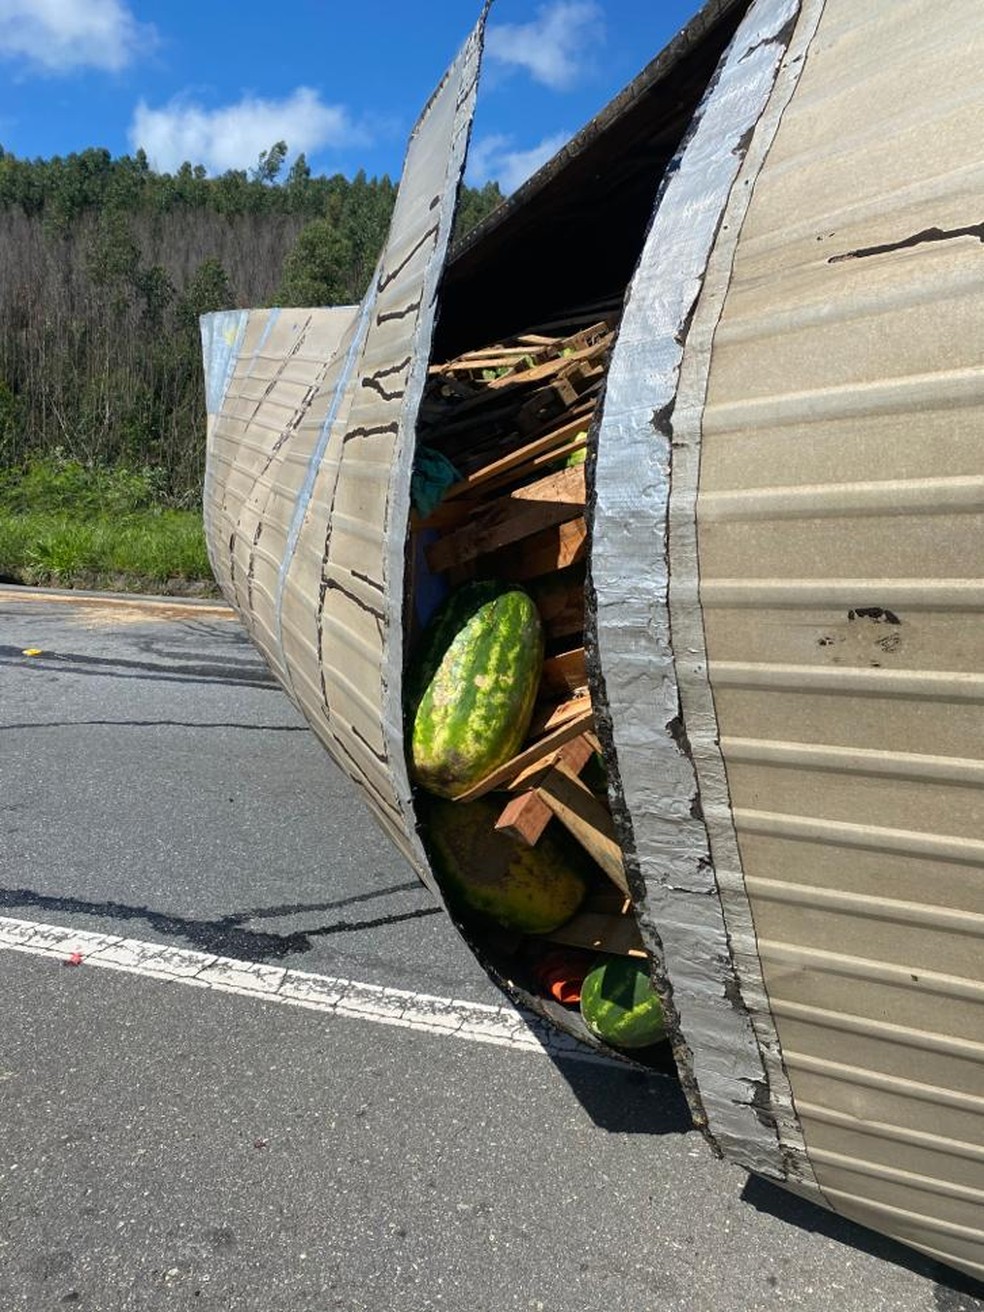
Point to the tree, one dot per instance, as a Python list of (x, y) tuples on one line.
[(318, 271), (364, 218), (474, 205), (300, 173), (208, 290), (106, 266), (270, 163), (157, 291), (114, 255)]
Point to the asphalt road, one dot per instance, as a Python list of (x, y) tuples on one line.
[(165, 1146)]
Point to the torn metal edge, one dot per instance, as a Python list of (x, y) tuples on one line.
[(687, 39), (687, 621), (654, 790), (461, 81), (222, 334)]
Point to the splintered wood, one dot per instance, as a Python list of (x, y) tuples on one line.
[(514, 418)]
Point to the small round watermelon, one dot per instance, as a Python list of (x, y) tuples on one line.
[(620, 1005)]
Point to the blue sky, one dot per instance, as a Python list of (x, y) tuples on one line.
[(216, 82)]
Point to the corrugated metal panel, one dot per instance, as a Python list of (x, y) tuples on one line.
[(256, 459), (840, 534), (804, 333), (307, 495), (727, 1049)]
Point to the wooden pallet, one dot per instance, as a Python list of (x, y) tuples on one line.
[(511, 416)]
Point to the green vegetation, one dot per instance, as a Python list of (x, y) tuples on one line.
[(66, 524), (105, 267)]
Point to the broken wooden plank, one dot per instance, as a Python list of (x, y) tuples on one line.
[(528, 756), (546, 406), (540, 464), (543, 553), (575, 754), (526, 816), (550, 717), (500, 524), (446, 514), (547, 442), (618, 935), (525, 511), (583, 375), (602, 329), (559, 599), (460, 414), (493, 433), (565, 485), (494, 357), (556, 458), (564, 673), (534, 467), (586, 818), (549, 368)]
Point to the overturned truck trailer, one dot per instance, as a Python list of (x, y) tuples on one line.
[(770, 554)]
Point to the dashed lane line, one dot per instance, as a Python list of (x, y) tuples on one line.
[(503, 1026)]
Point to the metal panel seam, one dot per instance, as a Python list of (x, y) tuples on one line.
[(468, 67), (686, 617), (314, 464)]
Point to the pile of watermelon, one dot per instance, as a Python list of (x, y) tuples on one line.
[(470, 698), (510, 794)]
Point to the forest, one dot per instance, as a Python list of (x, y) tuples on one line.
[(105, 266)]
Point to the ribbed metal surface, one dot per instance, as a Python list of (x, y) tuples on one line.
[(725, 1046), (311, 435), (257, 458), (840, 534), (787, 538)]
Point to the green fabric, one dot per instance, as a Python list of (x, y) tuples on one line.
[(432, 475)]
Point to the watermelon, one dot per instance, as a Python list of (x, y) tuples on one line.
[(530, 889), (620, 1005), (471, 689)]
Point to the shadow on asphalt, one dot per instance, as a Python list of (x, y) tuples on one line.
[(244, 673), (225, 936), (954, 1291), (624, 1100)]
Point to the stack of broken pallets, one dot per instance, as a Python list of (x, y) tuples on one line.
[(514, 418)]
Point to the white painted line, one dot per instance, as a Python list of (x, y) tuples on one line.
[(473, 1022)]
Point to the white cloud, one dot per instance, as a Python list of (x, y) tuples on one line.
[(493, 158), (59, 36), (233, 136), (553, 48)]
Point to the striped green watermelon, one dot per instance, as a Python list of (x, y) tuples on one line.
[(531, 889), (471, 689), (620, 1005)]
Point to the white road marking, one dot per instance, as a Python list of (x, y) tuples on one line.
[(504, 1026)]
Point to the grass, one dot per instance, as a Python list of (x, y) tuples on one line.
[(66, 524)]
